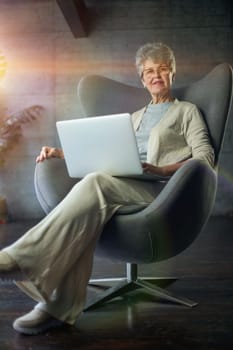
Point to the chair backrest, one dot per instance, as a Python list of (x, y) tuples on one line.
[(212, 94)]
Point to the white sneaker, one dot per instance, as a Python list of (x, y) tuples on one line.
[(35, 322)]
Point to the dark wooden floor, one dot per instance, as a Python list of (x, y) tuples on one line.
[(138, 321)]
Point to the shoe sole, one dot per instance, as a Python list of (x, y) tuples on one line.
[(51, 324)]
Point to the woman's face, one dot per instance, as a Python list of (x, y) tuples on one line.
[(157, 78)]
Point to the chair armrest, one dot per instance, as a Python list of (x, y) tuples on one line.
[(52, 183), (169, 224), (182, 208)]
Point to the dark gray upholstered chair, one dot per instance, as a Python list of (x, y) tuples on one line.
[(177, 215)]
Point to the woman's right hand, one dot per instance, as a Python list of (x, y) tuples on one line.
[(49, 152)]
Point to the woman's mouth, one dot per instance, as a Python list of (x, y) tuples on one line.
[(157, 82)]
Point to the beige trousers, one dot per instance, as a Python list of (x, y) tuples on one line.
[(56, 255)]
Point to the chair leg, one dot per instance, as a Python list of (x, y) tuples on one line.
[(164, 294), (120, 289), (131, 282), (105, 283)]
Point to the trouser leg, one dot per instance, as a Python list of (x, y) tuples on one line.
[(51, 252), (69, 298)]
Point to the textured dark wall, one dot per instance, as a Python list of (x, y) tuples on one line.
[(45, 63)]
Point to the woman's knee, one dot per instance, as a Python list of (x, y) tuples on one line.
[(94, 181), (98, 177), (89, 190)]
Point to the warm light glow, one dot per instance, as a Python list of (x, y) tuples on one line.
[(3, 65)]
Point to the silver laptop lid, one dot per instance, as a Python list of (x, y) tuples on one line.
[(100, 144)]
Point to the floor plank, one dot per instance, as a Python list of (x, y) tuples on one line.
[(139, 321)]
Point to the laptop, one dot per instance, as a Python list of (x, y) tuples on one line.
[(100, 144)]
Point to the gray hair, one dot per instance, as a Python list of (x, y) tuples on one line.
[(157, 52)]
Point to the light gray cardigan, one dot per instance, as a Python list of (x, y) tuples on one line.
[(181, 134)]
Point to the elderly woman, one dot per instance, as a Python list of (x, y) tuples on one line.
[(55, 257)]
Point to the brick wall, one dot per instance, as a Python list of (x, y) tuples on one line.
[(45, 63)]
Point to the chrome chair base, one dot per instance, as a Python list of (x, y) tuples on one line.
[(132, 282)]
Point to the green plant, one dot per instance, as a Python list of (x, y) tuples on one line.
[(11, 128)]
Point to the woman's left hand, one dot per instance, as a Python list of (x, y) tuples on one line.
[(166, 170), (149, 168)]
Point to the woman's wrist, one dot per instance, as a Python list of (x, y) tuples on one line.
[(57, 153), (60, 153)]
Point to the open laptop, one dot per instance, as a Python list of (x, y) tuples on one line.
[(100, 144)]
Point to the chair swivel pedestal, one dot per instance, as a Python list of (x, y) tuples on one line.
[(132, 282)]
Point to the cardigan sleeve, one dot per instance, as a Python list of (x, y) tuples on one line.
[(197, 137)]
